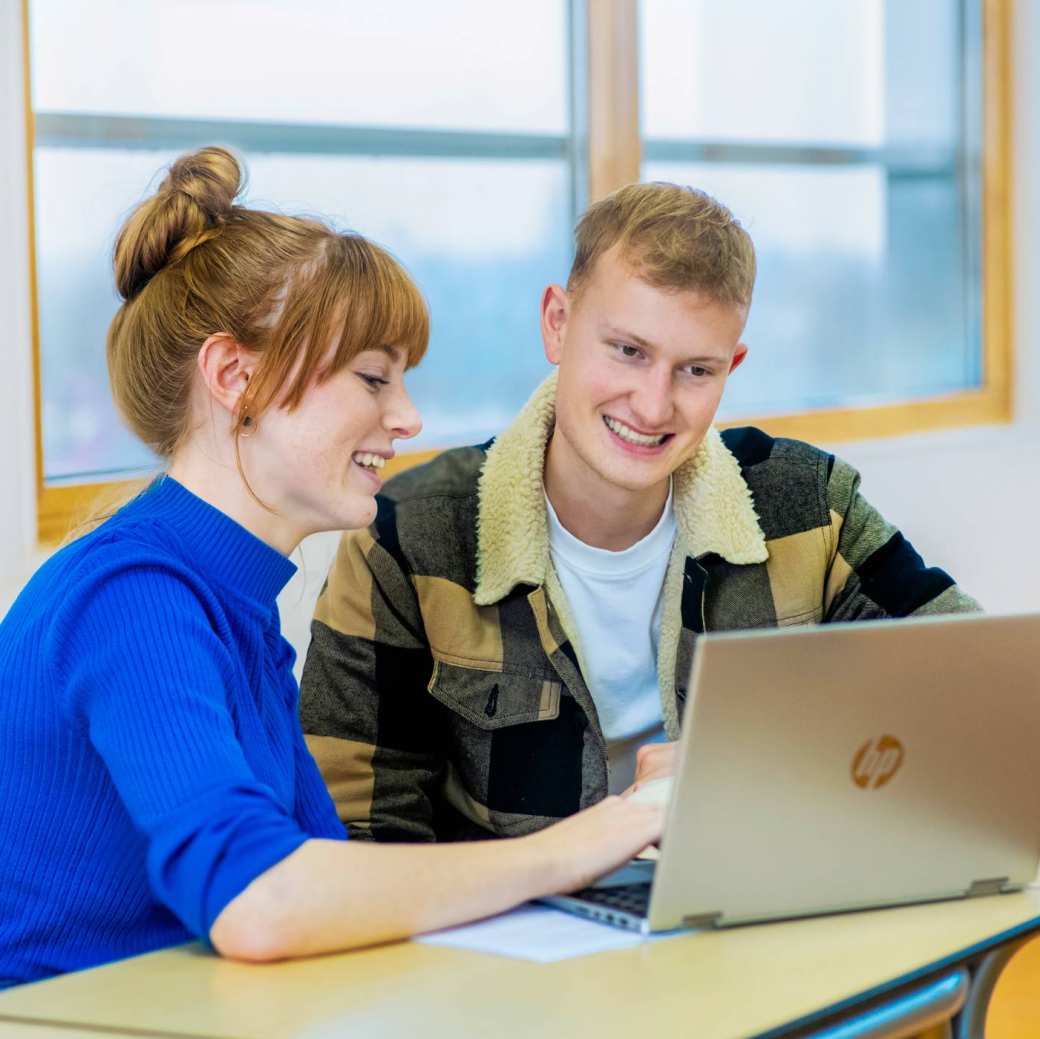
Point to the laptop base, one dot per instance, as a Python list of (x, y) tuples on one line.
[(624, 906)]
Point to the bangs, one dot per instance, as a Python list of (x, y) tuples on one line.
[(384, 307), (354, 297)]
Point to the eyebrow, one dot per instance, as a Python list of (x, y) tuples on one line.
[(611, 332)]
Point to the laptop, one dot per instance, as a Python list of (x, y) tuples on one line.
[(840, 767)]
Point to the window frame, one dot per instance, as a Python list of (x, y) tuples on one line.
[(607, 154)]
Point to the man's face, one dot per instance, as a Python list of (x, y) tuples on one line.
[(642, 370)]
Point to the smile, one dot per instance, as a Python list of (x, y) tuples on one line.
[(369, 461), (630, 436)]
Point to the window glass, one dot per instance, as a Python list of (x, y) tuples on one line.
[(841, 137), (406, 63), (444, 219), (856, 293), (481, 238), (748, 70), (481, 232)]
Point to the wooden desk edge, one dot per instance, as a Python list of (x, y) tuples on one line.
[(879, 995)]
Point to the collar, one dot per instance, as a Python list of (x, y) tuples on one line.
[(713, 505), (214, 543)]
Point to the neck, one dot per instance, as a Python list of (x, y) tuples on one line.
[(600, 514), (218, 482)]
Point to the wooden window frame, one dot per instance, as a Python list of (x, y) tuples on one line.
[(611, 111)]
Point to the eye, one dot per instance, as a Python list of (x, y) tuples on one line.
[(627, 350), (698, 371), (375, 382)]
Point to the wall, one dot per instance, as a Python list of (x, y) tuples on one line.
[(966, 498), (18, 513)]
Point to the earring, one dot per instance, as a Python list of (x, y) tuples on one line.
[(247, 424)]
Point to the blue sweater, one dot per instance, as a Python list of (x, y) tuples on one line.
[(151, 759)]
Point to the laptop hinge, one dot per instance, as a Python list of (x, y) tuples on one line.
[(702, 920), (991, 886)]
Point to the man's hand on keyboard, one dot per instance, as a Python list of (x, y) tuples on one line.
[(655, 761)]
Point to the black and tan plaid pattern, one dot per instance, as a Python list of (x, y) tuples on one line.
[(443, 695)]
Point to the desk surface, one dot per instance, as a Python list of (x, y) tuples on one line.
[(14, 1030), (743, 981)]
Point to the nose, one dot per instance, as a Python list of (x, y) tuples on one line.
[(652, 400), (401, 418)]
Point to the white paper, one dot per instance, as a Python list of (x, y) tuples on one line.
[(535, 932)]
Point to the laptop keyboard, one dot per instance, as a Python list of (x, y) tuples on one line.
[(629, 898)]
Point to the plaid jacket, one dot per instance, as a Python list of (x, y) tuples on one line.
[(442, 694)]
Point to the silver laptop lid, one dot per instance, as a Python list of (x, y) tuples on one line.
[(854, 765)]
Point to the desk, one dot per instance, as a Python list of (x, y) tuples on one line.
[(770, 980)]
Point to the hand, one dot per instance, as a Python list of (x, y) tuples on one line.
[(655, 761), (593, 842)]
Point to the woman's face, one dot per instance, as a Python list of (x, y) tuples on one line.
[(319, 465)]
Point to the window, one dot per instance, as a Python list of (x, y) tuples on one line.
[(860, 183), (466, 137)]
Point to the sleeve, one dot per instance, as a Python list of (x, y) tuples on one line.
[(369, 721), (145, 678), (874, 571)]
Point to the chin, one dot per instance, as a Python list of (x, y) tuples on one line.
[(355, 513), (626, 479), (364, 516), (646, 483), (645, 472), (358, 521)]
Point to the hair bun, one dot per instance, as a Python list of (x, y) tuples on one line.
[(190, 207)]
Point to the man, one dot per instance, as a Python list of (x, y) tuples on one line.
[(511, 639)]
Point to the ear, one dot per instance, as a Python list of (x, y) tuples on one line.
[(738, 357), (225, 366), (555, 309)]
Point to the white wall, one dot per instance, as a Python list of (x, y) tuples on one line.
[(18, 510), (966, 498)]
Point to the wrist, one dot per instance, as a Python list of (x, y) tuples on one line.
[(543, 867)]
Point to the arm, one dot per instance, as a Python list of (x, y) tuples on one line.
[(369, 721), (874, 571), (331, 895), (145, 679)]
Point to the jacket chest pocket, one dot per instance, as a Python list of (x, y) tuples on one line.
[(494, 699)]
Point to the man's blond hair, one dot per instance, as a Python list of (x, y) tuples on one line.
[(673, 237)]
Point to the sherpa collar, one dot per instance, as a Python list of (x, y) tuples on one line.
[(713, 505)]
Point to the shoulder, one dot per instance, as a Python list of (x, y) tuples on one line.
[(126, 568), (122, 594), (788, 479), (143, 543), (754, 448), (434, 503), (453, 473), (426, 521)]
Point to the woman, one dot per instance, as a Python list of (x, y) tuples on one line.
[(155, 785)]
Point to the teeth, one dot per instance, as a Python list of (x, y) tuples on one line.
[(631, 435), (369, 461)]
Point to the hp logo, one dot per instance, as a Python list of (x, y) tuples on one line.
[(876, 762)]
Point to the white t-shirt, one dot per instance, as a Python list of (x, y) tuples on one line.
[(615, 600)]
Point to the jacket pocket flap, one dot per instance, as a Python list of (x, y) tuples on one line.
[(493, 699)]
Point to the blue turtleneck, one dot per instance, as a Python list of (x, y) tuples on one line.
[(151, 760)]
